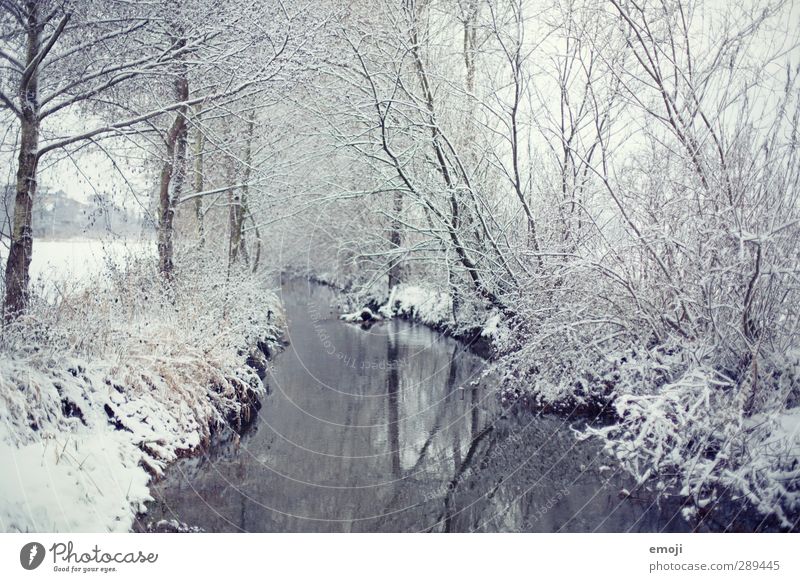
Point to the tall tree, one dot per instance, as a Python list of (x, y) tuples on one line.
[(58, 57)]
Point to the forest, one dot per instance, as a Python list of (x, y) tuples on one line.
[(603, 192)]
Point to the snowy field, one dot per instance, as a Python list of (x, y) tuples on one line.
[(74, 261)]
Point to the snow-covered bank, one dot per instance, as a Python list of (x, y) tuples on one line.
[(687, 416), (430, 307), (423, 304), (102, 390), (695, 435)]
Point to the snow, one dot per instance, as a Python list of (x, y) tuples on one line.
[(693, 434), (789, 429), (64, 472), (81, 438), (55, 263), (420, 303), (362, 315), (102, 390), (428, 306), (87, 482), (492, 326)]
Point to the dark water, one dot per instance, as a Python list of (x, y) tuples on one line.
[(390, 429)]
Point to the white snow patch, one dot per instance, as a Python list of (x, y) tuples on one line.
[(82, 482), (361, 315), (76, 261), (492, 326), (420, 303)]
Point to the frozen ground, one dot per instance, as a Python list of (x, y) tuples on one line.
[(85, 482)]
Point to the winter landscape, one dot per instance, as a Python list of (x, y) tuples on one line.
[(400, 265)]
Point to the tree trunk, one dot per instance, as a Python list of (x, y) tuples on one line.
[(257, 232), (239, 203), (235, 216), (19, 256), (173, 168), (395, 239), (199, 181)]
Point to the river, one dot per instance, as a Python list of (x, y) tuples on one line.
[(392, 429)]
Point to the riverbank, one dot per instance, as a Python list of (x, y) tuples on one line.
[(102, 390)]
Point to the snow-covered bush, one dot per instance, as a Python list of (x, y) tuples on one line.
[(699, 409), (694, 435)]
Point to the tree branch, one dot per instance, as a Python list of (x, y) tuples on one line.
[(140, 118), (10, 104), (34, 64)]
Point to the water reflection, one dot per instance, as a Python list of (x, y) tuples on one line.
[(393, 402), (389, 429)]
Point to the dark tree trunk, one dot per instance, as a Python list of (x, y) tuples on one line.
[(19, 256), (395, 239), (199, 179), (238, 211), (173, 169), (236, 222)]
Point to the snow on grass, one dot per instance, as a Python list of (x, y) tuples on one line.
[(66, 467), (102, 389), (491, 328), (419, 303), (82, 483)]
